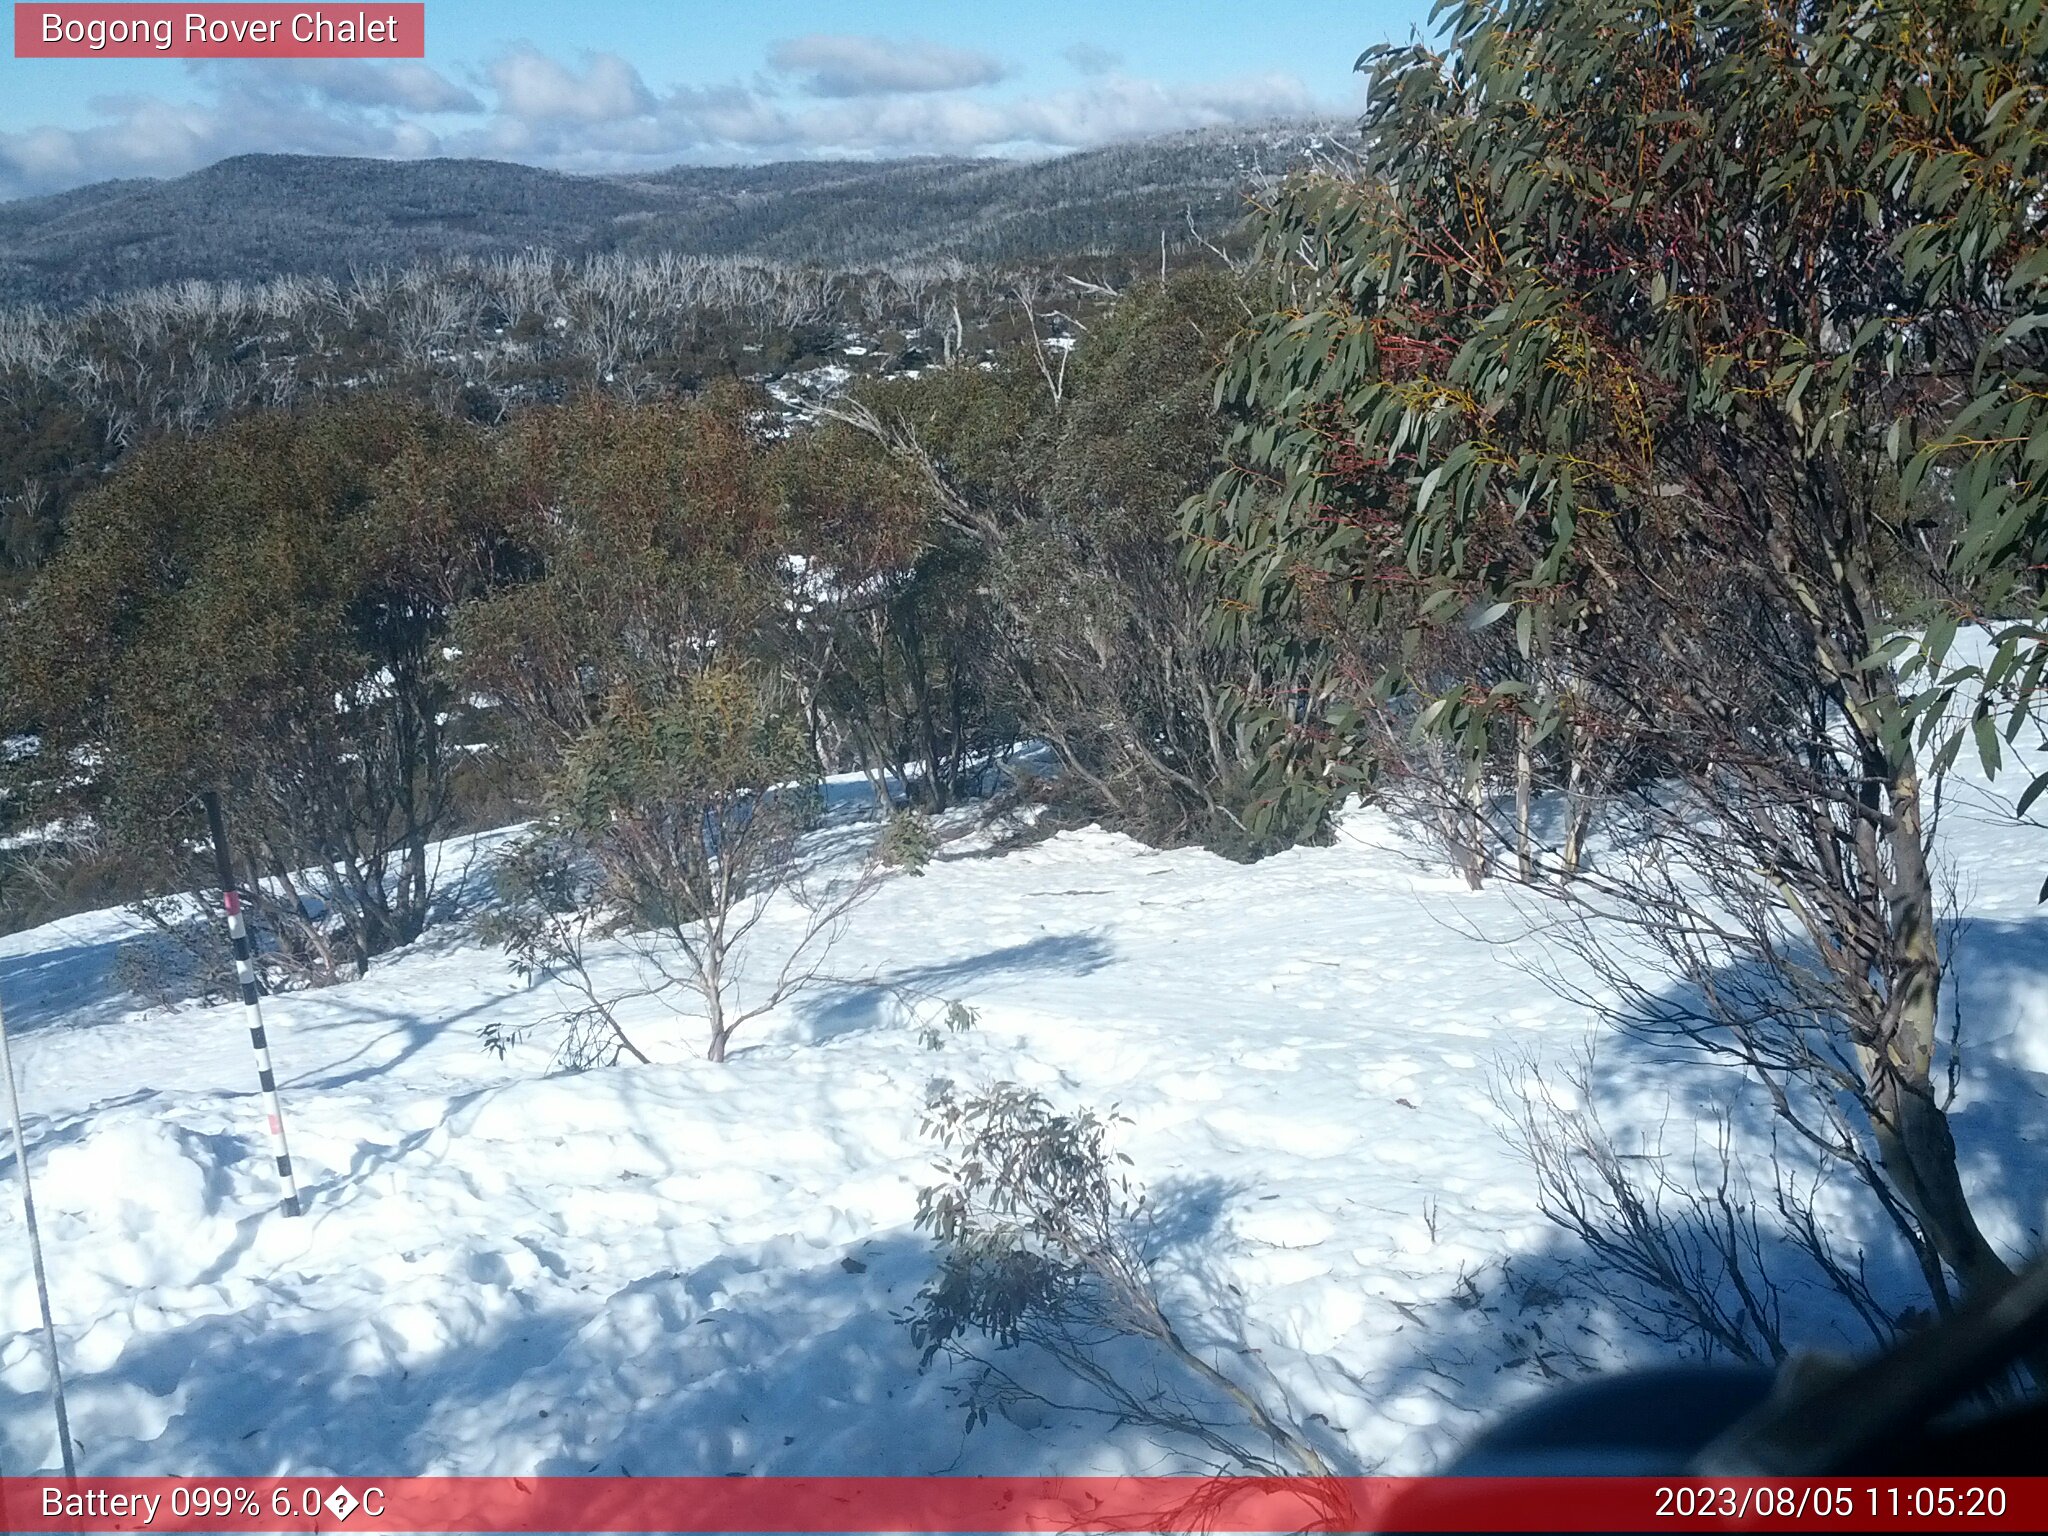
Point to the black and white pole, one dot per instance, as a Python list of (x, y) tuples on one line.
[(35, 1251), (245, 978)]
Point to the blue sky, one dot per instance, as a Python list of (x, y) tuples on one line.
[(603, 85)]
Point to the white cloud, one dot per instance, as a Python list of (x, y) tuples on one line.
[(152, 136), (599, 115), (837, 65), (537, 89), (1100, 111), (405, 84)]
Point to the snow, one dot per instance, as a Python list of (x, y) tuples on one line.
[(688, 1268), (49, 832)]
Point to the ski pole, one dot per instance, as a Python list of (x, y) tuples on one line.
[(245, 977)]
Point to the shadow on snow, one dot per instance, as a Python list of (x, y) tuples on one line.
[(797, 1361)]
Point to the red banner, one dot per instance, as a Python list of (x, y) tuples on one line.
[(265, 31), (1017, 1504)]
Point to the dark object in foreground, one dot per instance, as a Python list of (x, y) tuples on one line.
[(1939, 1403)]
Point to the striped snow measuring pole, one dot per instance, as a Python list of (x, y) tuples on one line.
[(245, 978)]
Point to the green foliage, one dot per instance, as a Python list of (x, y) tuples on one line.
[(710, 748), (542, 891), (51, 451), (1029, 1201), (656, 536), (908, 842), (1616, 275), (690, 807), (639, 683), (1626, 331), (1052, 489), (894, 643), (1139, 431), (955, 1019), (399, 586), (1042, 1244), (548, 908), (264, 611), (221, 586)]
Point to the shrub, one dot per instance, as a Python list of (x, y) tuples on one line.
[(263, 611), (908, 842), (1036, 1222)]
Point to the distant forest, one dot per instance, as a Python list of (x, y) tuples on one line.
[(263, 216), (132, 309)]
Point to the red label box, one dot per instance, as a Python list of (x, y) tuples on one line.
[(103, 30), (1023, 1506)]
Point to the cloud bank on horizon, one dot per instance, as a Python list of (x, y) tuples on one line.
[(814, 95)]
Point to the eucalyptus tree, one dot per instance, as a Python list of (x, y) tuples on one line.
[(1698, 345), (264, 611)]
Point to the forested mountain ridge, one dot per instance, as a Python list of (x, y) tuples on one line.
[(262, 216)]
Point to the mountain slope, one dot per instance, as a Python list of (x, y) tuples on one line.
[(259, 216)]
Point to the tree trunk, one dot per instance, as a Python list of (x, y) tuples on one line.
[(1454, 797), (1525, 776), (1470, 833), (711, 980), (1915, 1144), (1578, 806), (920, 692)]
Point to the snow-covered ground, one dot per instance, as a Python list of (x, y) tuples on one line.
[(688, 1268)]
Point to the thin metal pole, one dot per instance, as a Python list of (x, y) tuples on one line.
[(245, 977), (35, 1250)]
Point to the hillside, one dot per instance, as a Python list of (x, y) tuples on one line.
[(261, 216)]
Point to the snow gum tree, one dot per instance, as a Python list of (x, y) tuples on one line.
[(1698, 346), (641, 683), (264, 611), (1053, 482), (656, 537), (694, 810)]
